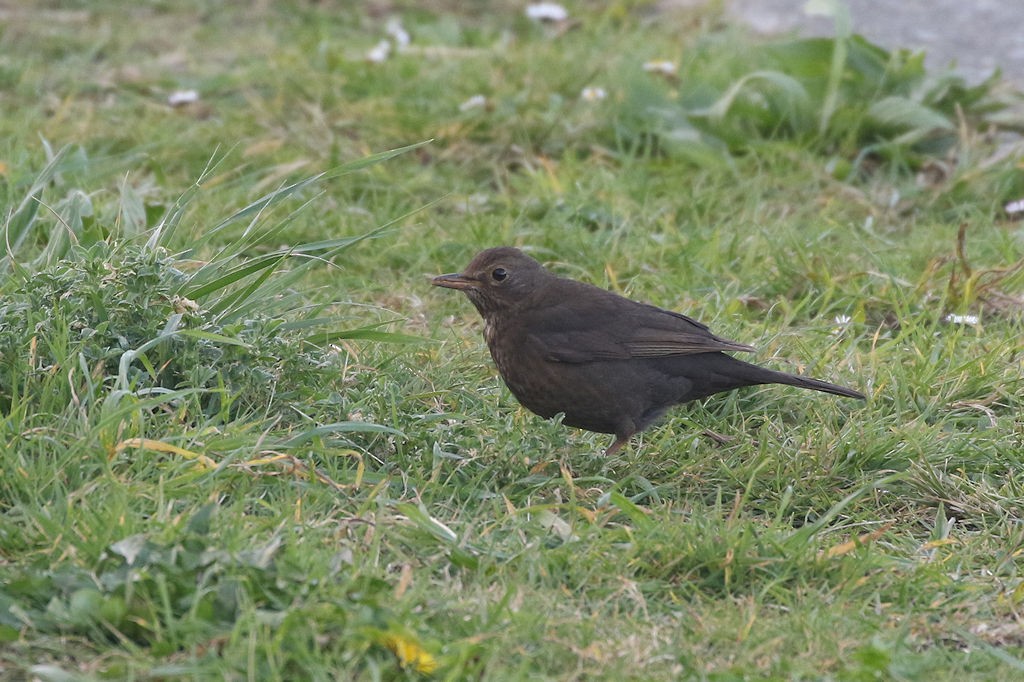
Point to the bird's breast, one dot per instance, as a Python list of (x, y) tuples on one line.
[(509, 350)]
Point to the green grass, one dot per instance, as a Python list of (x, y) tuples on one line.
[(224, 458)]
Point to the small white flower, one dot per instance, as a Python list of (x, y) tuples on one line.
[(842, 322), (474, 102), (380, 52), (546, 11), (970, 320), (661, 66), (398, 33), (1015, 207), (473, 203), (593, 94), (182, 97)]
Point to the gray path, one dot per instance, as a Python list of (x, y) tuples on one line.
[(976, 35)]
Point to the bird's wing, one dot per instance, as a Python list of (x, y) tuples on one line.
[(612, 330), (675, 334)]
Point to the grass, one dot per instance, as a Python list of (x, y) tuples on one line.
[(223, 455)]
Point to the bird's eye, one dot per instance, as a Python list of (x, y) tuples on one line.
[(499, 274)]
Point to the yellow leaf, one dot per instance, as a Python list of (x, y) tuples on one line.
[(849, 546), (160, 446), (410, 654), (1018, 594), (932, 544)]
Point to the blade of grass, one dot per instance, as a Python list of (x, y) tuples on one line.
[(18, 226), (339, 427)]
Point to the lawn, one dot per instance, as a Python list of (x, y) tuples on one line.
[(244, 438)]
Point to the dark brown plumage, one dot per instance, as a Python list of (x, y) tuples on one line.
[(607, 363)]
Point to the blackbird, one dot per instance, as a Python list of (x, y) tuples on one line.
[(607, 363)]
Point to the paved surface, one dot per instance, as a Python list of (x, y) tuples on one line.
[(977, 35)]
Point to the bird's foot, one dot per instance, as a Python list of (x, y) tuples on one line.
[(617, 445)]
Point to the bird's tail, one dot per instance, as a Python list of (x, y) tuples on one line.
[(817, 385), (712, 373), (756, 374), (771, 376)]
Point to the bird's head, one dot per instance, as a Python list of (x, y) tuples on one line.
[(497, 279)]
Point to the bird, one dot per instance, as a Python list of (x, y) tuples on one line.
[(607, 363)]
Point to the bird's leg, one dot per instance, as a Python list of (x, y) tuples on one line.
[(617, 444)]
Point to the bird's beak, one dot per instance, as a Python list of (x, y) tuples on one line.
[(455, 280)]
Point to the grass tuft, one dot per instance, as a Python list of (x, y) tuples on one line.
[(242, 437)]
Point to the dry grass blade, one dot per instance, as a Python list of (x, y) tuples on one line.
[(293, 466), (968, 287)]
